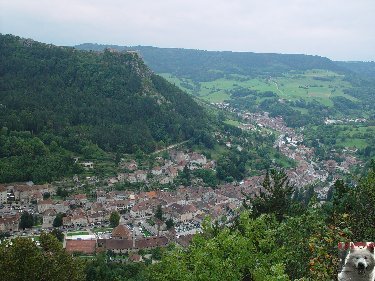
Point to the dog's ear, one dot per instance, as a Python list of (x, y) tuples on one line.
[(370, 247)]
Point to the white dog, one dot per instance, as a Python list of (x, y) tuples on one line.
[(359, 264)]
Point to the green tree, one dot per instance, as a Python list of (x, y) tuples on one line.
[(22, 260), (58, 234), (275, 196), (231, 165), (46, 195), (361, 212), (184, 176), (157, 253), (114, 219), (58, 221), (208, 177), (159, 212), (99, 269), (118, 158), (169, 223), (248, 252), (61, 192), (340, 201), (26, 220)]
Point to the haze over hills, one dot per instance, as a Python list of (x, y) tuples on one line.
[(330, 88), (79, 101), (305, 90), (203, 66), (363, 68)]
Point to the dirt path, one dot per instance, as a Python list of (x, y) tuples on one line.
[(277, 87), (169, 147)]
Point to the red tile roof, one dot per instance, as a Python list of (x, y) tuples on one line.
[(151, 242), (121, 232), (115, 244), (81, 246)]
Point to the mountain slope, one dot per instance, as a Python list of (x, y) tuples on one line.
[(44, 87), (77, 99), (366, 69), (296, 86), (201, 65)]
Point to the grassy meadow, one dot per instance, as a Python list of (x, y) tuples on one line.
[(319, 85), (355, 136)]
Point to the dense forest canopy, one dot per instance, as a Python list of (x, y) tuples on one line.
[(360, 67), (72, 99), (202, 65)]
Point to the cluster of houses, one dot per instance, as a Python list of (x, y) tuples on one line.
[(165, 170), (122, 241), (186, 207), (79, 211), (18, 197), (264, 120), (309, 171), (328, 121), (290, 144), (306, 171)]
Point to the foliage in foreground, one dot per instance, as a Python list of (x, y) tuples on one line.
[(256, 249), (22, 260), (300, 245)]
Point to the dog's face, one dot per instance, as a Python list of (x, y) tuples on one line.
[(361, 259)]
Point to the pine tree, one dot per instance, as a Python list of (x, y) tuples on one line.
[(275, 195)]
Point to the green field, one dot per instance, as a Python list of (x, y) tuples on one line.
[(319, 85), (355, 136), (76, 233), (308, 86), (359, 136), (232, 122), (181, 83), (101, 229)]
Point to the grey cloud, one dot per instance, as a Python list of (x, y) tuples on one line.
[(338, 29)]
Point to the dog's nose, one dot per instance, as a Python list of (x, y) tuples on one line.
[(361, 265)]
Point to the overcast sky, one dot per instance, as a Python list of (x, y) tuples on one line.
[(338, 29)]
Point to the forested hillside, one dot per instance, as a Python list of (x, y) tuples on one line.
[(56, 101), (303, 89), (202, 65), (360, 67)]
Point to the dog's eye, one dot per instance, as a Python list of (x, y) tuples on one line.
[(365, 258)]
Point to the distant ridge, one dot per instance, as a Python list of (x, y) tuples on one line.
[(202, 65), (364, 68)]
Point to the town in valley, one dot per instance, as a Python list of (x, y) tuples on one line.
[(152, 217)]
